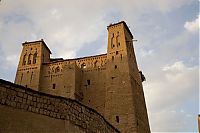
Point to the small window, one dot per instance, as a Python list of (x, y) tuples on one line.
[(57, 69), (34, 58), (117, 119), (83, 65), (121, 56), (95, 63), (88, 82), (118, 44), (117, 52), (24, 60), (54, 86), (29, 58), (115, 66), (112, 58)]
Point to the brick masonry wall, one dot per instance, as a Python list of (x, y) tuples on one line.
[(25, 99)]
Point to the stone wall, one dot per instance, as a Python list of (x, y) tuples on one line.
[(47, 111)]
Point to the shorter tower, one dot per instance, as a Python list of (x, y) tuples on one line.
[(29, 68)]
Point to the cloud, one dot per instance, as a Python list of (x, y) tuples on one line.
[(177, 66), (175, 85), (192, 26), (169, 5)]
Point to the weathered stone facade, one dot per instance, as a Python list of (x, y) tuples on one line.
[(109, 83)]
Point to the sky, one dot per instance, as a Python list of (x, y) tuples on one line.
[(167, 49)]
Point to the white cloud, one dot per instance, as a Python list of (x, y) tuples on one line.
[(192, 26), (174, 85), (147, 53), (169, 5), (177, 66)]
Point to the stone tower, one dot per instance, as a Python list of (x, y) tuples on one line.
[(124, 105), (30, 65)]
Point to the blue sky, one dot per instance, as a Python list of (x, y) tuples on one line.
[(167, 49)]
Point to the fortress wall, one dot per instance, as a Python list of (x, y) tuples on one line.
[(94, 91), (26, 110)]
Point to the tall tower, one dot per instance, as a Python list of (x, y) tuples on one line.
[(29, 68), (125, 106)]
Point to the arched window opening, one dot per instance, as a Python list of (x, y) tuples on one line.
[(29, 58), (83, 65), (57, 69), (95, 63), (117, 52), (24, 60), (118, 39), (112, 41), (34, 58)]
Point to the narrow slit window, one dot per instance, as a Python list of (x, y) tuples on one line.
[(29, 58), (21, 78), (88, 82), (24, 60), (112, 41), (31, 76), (54, 86), (112, 58), (121, 56), (117, 52), (117, 119), (115, 66), (34, 58)]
